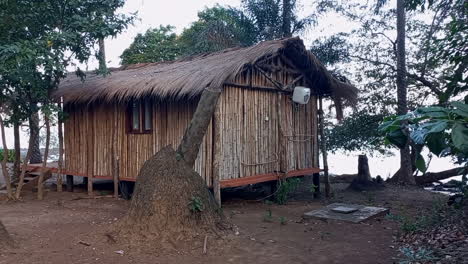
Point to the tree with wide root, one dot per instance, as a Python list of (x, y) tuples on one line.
[(363, 180), (170, 203)]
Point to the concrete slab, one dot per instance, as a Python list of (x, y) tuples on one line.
[(346, 212)]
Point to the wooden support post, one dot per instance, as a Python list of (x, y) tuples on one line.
[(69, 183), (90, 185), (323, 149), (60, 138), (116, 178), (116, 157), (216, 155)]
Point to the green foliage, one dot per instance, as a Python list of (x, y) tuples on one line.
[(434, 217), (283, 220), (40, 39), (217, 28), (268, 217), (10, 155), (357, 132), (331, 50), (418, 255), (443, 130), (268, 19), (436, 58), (159, 44), (285, 188), (195, 204)]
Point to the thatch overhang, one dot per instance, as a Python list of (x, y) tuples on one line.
[(187, 78)]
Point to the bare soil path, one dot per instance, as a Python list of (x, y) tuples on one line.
[(65, 229)]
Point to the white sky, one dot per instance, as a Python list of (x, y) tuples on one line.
[(180, 13)]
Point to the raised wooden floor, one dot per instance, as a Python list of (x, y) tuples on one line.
[(223, 183)]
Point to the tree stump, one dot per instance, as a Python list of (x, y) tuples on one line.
[(170, 203), (5, 239), (363, 181)]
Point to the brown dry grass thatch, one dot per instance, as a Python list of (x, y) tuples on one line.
[(188, 77)]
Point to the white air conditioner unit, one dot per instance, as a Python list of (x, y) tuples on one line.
[(301, 95)]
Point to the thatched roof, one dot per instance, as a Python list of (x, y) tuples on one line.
[(188, 77)]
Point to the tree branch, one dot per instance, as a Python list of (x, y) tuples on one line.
[(437, 176)]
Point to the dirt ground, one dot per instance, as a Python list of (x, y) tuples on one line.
[(64, 228)]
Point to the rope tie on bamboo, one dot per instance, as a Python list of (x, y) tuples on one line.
[(306, 137), (261, 163)]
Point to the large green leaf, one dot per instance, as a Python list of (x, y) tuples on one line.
[(430, 109), (419, 135), (436, 127), (460, 136), (436, 143), (461, 109), (461, 106), (397, 138), (421, 163)]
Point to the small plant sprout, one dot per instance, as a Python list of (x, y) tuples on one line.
[(283, 220), (268, 217), (195, 205)]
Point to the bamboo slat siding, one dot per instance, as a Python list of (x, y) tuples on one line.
[(256, 132), (89, 132)]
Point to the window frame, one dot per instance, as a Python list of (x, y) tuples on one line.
[(142, 117)]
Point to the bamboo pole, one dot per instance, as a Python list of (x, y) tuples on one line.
[(115, 154), (323, 148), (60, 160)]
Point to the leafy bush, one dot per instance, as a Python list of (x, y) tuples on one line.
[(418, 255), (443, 130), (434, 217), (10, 155), (286, 187)]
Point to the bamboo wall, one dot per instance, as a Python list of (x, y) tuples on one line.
[(90, 131), (255, 131)]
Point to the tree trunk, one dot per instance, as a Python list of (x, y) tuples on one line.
[(6, 174), (405, 175), (438, 176), (193, 137), (102, 56), (323, 149), (36, 156), (60, 160), (17, 145), (363, 169), (171, 201), (40, 183), (5, 239), (287, 14), (32, 139), (363, 180)]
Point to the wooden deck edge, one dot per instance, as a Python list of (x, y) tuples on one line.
[(266, 177), (224, 183)]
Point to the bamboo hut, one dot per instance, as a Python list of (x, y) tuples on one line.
[(115, 123)]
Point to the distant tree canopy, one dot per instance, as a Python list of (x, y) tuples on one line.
[(437, 35), (218, 28), (39, 39), (159, 44)]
